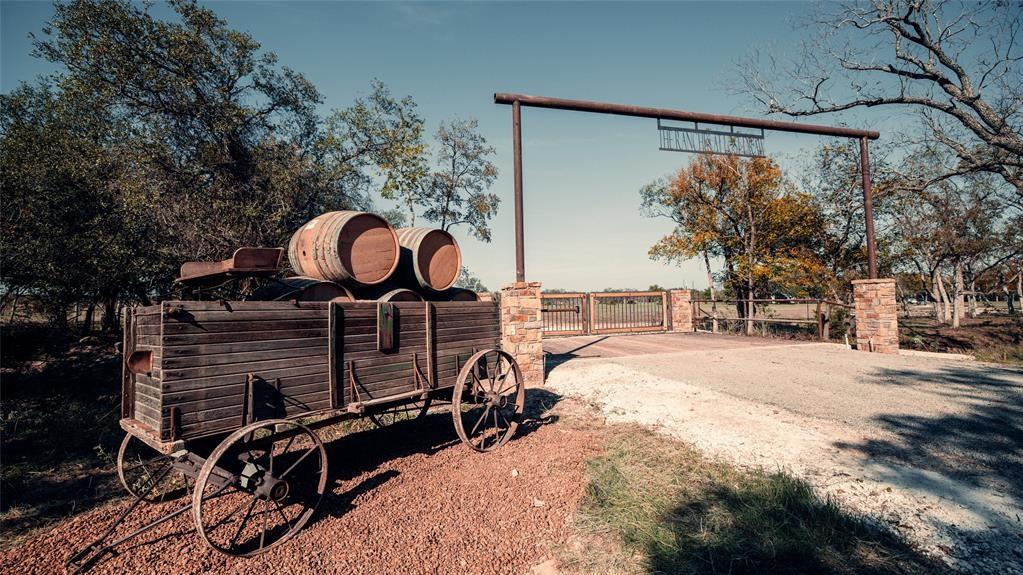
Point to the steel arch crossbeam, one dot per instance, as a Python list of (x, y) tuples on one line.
[(518, 100)]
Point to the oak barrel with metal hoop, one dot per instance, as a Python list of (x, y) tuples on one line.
[(356, 248), (430, 258)]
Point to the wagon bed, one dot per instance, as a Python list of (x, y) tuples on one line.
[(195, 369)]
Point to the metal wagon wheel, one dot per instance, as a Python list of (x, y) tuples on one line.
[(399, 413), (277, 471), (488, 400), (140, 467)]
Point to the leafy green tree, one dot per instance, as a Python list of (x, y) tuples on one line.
[(468, 280), (70, 232), (166, 140), (456, 193)]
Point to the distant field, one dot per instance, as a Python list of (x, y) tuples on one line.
[(927, 310), (795, 311)]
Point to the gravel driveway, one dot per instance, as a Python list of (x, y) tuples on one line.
[(932, 447)]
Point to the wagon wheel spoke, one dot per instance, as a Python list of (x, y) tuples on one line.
[(146, 473), (267, 497), (486, 414), (262, 534), (244, 521), (291, 440), (401, 412), (300, 460), (480, 420)]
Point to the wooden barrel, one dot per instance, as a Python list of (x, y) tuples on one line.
[(356, 248), (400, 294), (385, 292), (459, 294), (430, 258), (302, 288)]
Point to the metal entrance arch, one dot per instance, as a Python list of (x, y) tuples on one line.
[(518, 100)]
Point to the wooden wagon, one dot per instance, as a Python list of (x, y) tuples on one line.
[(221, 402)]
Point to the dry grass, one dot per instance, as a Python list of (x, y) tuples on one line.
[(995, 338), (655, 505)]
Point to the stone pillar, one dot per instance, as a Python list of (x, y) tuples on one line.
[(522, 328), (877, 315), (681, 303)]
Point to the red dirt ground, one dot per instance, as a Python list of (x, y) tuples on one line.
[(403, 500)]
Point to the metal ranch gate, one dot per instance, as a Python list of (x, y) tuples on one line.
[(604, 313)]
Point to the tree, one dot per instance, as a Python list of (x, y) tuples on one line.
[(456, 193), (831, 175), (957, 64), (954, 231), (468, 280), (166, 140), (742, 211), (70, 230)]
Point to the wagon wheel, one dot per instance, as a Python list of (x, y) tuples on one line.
[(401, 412), (140, 467), (488, 400), (277, 473)]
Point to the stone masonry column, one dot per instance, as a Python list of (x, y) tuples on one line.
[(877, 315), (522, 329), (681, 303)]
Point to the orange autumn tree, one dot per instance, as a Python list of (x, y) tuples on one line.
[(743, 212)]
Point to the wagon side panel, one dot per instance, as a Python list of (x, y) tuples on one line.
[(142, 361), (213, 353), (459, 330), (365, 371)]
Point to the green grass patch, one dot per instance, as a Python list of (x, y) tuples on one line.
[(668, 509)]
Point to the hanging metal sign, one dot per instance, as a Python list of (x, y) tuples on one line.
[(703, 141)]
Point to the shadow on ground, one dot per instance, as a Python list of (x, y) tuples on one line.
[(553, 360), (685, 513), (359, 452), (59, 435), (981, 445)]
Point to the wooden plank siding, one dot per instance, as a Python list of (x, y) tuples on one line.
[(146, 396), (297, 355)]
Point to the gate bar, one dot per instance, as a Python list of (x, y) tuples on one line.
[(519, 100)]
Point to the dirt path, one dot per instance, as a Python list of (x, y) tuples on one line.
[(406, 500), (929, 447)]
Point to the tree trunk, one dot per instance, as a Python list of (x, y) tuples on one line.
[(110, 315), (957, 293), (903, 298), (14, 307), (713, 294), (973, 298), (1019, 282), (748, 304), (939, 312), (946, 314), (58, 317), (90, 313)]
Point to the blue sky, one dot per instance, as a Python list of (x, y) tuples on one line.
[(582, 171)]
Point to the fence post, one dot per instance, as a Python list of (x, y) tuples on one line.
[(665, 316), (877, 316), (820, 322), (589, 313), (682, 311), (522, 328)]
